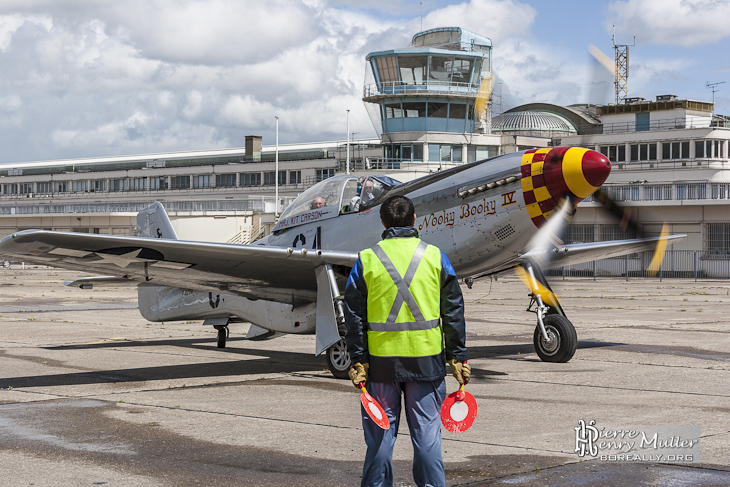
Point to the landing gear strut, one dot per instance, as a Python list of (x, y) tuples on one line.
[(223, 333), (555, 339)]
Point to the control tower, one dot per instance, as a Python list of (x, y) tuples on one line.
[(429, 98)]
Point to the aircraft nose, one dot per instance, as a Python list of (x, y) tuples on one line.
[(549, 175), (575, 172)]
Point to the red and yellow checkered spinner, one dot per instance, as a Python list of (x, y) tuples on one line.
[(551, 175)]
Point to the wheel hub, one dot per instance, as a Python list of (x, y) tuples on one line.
[(552, 344)]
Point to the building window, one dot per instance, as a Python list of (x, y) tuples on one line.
[(658, 192), (295, 177), (720, 191), (79, 186), (202, 181), (43, 188), (615, 153), (269, 178), (11, 189), (393, 110), (118, 185), (180, 182), (699, 149), (642, 122), (439, 110), (412, 69), (387, 69), (634, 152), (439, 70), (26, 188), (250, 179), (225, 180), (323, 174), (579, 233), (412, 110), (98, 185), (615, 232), (717, 238), (138, 184), (696, 191), (477, 153), (457, 110), (159, 183), (462, 71), (60, 187)]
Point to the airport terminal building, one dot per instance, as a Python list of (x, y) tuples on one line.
[(431, 105)]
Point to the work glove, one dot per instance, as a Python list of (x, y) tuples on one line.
[(359, 373), (461, 371)]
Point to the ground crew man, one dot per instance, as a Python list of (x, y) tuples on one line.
[(404, 315)]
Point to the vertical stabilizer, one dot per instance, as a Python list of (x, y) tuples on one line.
[(153, 222)]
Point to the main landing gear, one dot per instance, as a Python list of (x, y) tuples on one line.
[(338, 360), (223, 333)]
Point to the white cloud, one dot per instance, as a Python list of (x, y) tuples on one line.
[(685, 23), (496, 19)]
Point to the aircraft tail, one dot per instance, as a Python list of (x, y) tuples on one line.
[(153, 222)]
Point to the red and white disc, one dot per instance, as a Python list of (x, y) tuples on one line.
[(374, 410), (458, 411)]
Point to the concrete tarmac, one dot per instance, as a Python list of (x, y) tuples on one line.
[(93, 394)]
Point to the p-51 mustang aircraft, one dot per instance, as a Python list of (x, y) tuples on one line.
[(488, 216)]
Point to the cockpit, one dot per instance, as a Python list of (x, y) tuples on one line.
[(335, 196)]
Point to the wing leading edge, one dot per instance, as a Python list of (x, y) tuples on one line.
[(258, 272), (578, 253)]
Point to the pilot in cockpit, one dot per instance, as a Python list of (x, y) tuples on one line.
[(367, 196), (317, 202)]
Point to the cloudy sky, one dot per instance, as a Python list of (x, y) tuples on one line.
[(86, 78)]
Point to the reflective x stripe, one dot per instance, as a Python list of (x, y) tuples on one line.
[(405, 326), (403, 283)]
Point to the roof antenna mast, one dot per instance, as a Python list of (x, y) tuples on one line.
[(621, 52), (714, 88), (421, 4)]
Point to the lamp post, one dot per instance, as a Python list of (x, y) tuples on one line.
[(348, 141), (276, 171)]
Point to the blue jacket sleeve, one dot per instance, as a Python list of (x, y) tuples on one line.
[(356, 312), (452, 312)]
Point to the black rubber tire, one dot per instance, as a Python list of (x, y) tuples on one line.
[(338, 360), (222, 336), (559, 328)]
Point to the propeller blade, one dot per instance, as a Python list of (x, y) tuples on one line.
[(661, 248), (482, 101), (627, 223), (536, 287)]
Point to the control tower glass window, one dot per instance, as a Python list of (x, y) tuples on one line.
[(462, 70), (393, 110), (458, 110), (411, 110), (438, 109), (440, 69), (387, 69), (477, 72), (412, 69)]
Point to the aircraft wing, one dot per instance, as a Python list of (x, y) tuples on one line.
[(253, 271), (585, 252)]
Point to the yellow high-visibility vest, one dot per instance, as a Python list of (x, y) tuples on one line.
[(403, 278)]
